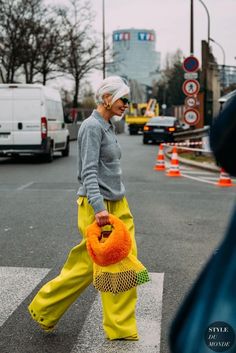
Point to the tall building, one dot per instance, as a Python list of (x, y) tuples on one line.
[(135, 57)]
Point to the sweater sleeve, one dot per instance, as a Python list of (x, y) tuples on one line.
[(90, 151)]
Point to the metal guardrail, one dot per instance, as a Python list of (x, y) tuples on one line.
[(74, 128), (187, 140), (191, 134)]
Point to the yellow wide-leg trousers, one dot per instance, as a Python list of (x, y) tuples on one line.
[(55, 297)]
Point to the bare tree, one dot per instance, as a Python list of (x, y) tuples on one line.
[(80, 45), (40, 43), (31, 29), (30, 40), (51, 49), (10, 40), (169, 88)]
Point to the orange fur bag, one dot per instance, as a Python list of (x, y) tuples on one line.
[(116, 246), (115, 269)]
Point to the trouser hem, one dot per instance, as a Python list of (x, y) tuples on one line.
[(41, 319)]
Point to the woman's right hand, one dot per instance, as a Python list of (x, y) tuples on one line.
[(102, 218)]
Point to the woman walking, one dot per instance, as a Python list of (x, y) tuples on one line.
[(101, 192)]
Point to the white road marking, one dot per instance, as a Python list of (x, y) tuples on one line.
[(22, 187), (91, 339), (16, 284), (198, 179), (211, 178), (203, 176), (196, 172)]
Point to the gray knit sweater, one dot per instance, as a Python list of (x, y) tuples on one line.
[(99, 171)]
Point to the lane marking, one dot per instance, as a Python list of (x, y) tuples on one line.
[(210, 178), (37, 186), (199, 172), (149, 307), (22, 187), (217, 179), (198, 179), (16, 284)]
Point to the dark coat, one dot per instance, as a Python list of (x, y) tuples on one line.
[(212, 299), (223, 137)]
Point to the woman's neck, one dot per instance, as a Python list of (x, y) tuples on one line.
[(106, 114)]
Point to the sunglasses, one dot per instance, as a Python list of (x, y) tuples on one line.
[(125, 100)]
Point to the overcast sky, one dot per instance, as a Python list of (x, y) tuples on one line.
[(171, 21)]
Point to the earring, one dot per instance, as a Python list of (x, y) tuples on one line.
[(107, 106)]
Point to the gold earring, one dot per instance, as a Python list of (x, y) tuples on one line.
[(107, 106)]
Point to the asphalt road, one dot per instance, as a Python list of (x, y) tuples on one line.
[(179, 223)]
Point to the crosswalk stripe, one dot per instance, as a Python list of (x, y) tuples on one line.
[(16, 284), (91, 338)]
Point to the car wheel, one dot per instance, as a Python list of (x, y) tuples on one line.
[(145, 141), (48, 157), (15, 155), (132, 132), (66, 151)]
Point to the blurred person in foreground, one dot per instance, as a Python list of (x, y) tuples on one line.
[(101, 192), (206, 320)]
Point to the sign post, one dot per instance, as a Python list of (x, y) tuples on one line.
[(191, 88)]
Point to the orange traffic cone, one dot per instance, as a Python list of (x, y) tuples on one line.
[(174, 164), (224, 179), (160, 161)]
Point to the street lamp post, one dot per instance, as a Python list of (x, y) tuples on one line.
[(223, 66), (206, 65), (103, 41), (191, 28), (208, 20)]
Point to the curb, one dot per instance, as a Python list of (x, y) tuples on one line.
[(205, 166)]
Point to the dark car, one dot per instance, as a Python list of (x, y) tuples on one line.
[(160, 129)]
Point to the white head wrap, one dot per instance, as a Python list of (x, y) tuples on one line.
[(114, 85)]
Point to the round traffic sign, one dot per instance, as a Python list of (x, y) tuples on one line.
[(191, 116), (191, 64), (190, 102), (191, 87)]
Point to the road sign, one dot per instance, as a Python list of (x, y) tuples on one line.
[(190, 75), (190, 102), (191, 116), (191, 87), (191, 64)]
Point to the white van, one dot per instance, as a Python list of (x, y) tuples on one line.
[(32, 121)]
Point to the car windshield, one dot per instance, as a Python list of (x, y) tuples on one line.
[(162, 121)]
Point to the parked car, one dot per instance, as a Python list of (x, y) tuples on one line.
[(160, 129), (32, 121)]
